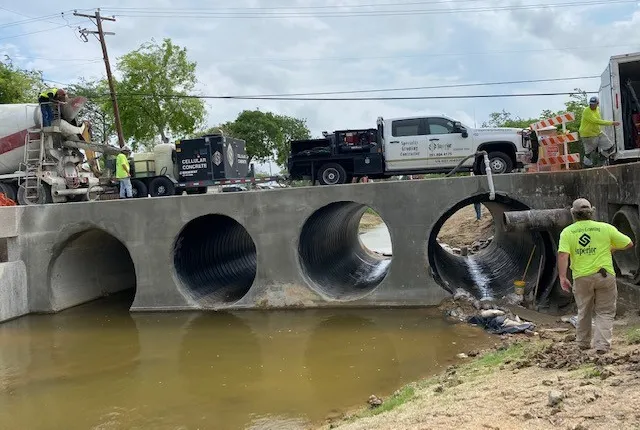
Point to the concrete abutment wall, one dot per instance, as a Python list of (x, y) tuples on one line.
[(296, 247)]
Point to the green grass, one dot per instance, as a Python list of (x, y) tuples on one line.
[(398, 398), (371, 212), (590, 372), (632, 336)]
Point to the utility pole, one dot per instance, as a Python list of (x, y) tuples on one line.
[(100, 36)]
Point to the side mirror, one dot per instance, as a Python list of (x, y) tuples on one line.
[(465, 134)]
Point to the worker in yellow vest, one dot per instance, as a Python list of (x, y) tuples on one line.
[(46, 100), (123, 173), (588, 245), (593, 139)]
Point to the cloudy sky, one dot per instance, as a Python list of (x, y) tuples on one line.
[(247, 47)]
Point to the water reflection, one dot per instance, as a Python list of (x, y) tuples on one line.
[(361, 359), (98, 367)]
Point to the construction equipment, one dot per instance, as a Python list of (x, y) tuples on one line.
[(44, 164)]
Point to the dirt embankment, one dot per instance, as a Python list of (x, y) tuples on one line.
[(462, 229), (539, 382)]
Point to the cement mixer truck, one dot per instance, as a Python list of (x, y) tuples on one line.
[(45, 164)]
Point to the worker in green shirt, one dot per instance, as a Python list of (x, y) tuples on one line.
[(592, 137), (589, 244), (123, 174)]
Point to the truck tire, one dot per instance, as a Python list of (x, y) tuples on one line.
[(139, 189), (161, 187), (332, 174), (43, 198), (8, 191), (499, 161)]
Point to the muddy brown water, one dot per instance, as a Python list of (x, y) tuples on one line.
[(97, 366)]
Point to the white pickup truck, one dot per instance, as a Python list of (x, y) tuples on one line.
[(406, 146)]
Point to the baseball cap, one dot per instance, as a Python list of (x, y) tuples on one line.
[(593, 100), (581, 205)]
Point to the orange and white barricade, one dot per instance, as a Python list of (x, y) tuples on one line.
[(554, 147)]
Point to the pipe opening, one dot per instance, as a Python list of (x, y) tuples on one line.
[(90, 265), (490, 273), (215, 260), (341, 263), (468, 231), (626, 220)]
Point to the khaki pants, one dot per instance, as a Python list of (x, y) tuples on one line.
[(595, 294)]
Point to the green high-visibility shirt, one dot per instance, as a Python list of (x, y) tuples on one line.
[(121, 161), (591, 122), (588, 244)]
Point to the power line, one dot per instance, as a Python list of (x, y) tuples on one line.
[(437, 54), (26, 21), (341, 6), (72, 60), (381, 90), (262, 15), (36, 32), (443, 97)]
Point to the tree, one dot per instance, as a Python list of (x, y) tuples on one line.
[(95, 110), (18, 85), (266, 134), (154, 94), (504, 119)]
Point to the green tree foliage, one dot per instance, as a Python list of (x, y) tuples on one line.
[(18, 85), (98, 113), (155, 79), (266, 134), (505, 119)]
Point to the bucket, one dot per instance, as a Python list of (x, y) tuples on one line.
[(519, 287)]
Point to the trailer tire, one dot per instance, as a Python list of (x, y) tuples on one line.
[(139, 189), (332, 174), (161, 187), (8, 191), (43, 198)]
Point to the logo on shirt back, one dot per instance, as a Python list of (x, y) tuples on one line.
[(584, 240)]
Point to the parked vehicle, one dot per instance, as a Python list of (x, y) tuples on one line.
[(45, 164), (409, 146), (619, 90), (191, 166)]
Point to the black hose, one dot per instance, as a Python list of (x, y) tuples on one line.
[(455, 169)]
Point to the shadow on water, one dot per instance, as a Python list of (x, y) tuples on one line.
[(98, 367), (50, 362)]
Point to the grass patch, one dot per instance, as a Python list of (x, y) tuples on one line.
[(590, 372), (400, 397), (495, 359), (371, 212), (632, 336)]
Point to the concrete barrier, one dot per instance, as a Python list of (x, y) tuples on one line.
[(299, 247), (13, 290)]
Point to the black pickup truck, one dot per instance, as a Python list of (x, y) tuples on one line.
[(337, 158)]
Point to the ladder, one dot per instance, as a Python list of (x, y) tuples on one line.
[(32, 166)]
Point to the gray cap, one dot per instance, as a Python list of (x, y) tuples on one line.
[(125, 149), (594, 100), (580, 205)]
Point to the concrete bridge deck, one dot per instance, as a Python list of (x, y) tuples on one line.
[(291, 248)]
